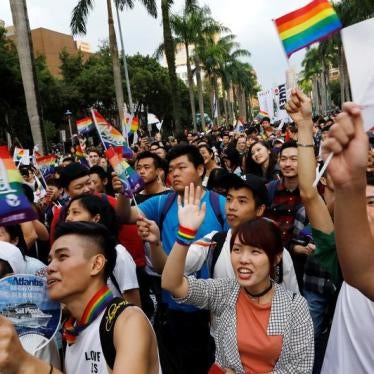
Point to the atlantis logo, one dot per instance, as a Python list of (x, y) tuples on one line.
[(20, 281)]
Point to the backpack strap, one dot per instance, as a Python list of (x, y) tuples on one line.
[(168, 203), (214, 251), (214, 201), (112, 312)]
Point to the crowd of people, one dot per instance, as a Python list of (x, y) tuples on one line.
[(228, 261)]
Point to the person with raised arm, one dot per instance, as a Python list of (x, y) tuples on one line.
[(354, 216), (260, 326)]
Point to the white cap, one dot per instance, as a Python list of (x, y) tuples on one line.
[(12, 254)]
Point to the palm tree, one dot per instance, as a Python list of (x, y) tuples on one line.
[(78, 26), (188, 29), (27, 65), (215, 55)]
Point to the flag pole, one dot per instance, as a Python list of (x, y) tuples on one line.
[(97, 128)]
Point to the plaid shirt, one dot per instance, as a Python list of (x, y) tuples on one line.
[(316, 278), (289, 317), (283, 208)]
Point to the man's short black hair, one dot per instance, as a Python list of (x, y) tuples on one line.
[(265, 119), (96, 169), (288, 144), (370, 178), (72, 172), (147, 154), (97, 235), (192, 153)]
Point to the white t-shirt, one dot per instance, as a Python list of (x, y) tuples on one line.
[(350, 349), (124, 272), (198, 252)]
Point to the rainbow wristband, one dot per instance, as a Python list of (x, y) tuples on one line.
[(185, 236)]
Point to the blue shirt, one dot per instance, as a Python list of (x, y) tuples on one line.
[(152, 209)]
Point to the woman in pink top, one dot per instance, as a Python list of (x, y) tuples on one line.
[(259, 326)]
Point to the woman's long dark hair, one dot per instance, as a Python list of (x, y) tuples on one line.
[(252, 167)]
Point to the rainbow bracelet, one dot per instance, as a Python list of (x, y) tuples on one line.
[(185, 236)]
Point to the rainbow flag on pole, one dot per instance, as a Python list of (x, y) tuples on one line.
[(305, 26), (21, 155), (85, 125), (14, 206), (46, 164), (261, 115), (110, 136), (134, 124), (131, 180)]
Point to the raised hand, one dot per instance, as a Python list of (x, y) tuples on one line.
[(148, 230), (299, 108), (349, 143), (191, 215)]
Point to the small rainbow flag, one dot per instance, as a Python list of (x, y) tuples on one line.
[(14, 206), (305, 26), (85, 125), (80, 155), (262, 114), (134, 124), (131, 181), (46, 164), (21, 155)]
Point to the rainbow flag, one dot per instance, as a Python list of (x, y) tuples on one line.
[(261, 115), (14, 206), (46, 164), (85, 125), (80, 155), (21, 155), (131, 181), (110, 136), (305, 26), (134, 124)]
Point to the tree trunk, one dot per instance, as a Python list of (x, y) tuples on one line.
[(28, 73), (225, 106), (215, 85), (212, 101), (249, 101), (200, 92), (190, 87), (242, 104), (170, 58), (231, 114), (115, 63)]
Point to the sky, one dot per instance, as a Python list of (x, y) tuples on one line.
[(249, 20)]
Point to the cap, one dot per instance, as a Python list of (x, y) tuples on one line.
[(13, 256), (251, 181)]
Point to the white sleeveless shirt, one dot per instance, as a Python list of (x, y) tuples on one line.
[(86, 355)]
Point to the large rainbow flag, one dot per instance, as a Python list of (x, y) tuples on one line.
[(85, 125), (14, 206), (312, 23), (131, 180)]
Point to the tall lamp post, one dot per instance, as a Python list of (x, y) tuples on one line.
[(68, 113)]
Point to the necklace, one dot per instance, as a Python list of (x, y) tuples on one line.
[(262, 293)]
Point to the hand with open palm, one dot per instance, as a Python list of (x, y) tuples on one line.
[(191, 215)]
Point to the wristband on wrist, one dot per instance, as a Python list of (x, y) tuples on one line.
[(305, 145), (185, 236)]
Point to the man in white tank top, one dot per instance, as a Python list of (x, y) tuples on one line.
[(81, 259)]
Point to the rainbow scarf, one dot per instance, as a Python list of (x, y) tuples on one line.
[(96, 305), (305, 26)]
